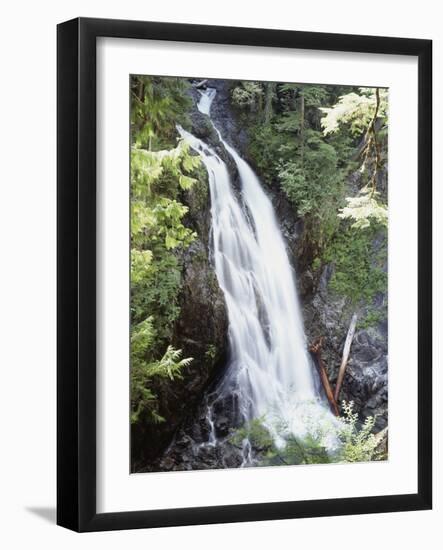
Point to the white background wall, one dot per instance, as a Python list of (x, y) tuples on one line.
[(27, 274)]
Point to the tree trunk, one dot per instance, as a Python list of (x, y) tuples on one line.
[(346, 350), (302, 127), (315, 349), (201, 84), (141, 91), (270, 89)]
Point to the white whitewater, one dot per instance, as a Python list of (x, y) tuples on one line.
[(270, 370)]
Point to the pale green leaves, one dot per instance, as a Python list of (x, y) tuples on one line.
[(248, 94), (142, 219), (359, 444), (155, 218), (160, 222), (142, 336), (142, 371), (140, 265), (186, 182), (190, 162), (148, 168), (162, 171), (363, 208), (359, 113), (171, 364), (356, 110)]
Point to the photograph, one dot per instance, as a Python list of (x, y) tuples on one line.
[(258, 273)]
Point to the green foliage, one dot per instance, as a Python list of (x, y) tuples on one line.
[(292, 151), (364, 115), (211, 352), (298, 450), (354, 442), (161, 170), (265, 148), (157, 105), (314, 185), (144, 402), (316, 182), (364, 208), (313, 95), (248, 95), (160, 224), (358, 444), (312, 143), (157, 230), (158, 172), (140, 265), (255, 432), (358, 273), (371, 319), (156, 292), (355, 110)]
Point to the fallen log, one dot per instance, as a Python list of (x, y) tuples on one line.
[(345, 357), (200, 84), (315, 348)]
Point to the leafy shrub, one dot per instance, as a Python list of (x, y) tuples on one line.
[(257, 434), (351, 442), (144, 402), (162, 167), (298, 450), (364, 209), (157, 105), (248, 94), (358, 444), (358, 273), (355, 110)]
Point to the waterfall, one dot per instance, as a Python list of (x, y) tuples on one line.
[(270, 370)]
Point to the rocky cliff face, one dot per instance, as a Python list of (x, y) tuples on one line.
[(328, 315), (366, 379)]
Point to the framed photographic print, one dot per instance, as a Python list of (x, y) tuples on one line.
[(244, 274)]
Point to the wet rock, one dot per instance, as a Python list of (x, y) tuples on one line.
[(232, 457), (168, 463), (222, 426), (202, 128), (366, 378), (225, 117), (366, 354)]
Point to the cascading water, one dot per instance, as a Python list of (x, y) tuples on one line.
[(270, 371)]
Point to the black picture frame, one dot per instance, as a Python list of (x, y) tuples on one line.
[(76, 265)]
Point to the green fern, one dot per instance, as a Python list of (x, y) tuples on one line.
[(144, 401)]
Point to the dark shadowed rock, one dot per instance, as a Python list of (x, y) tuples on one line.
[(366, 378)]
